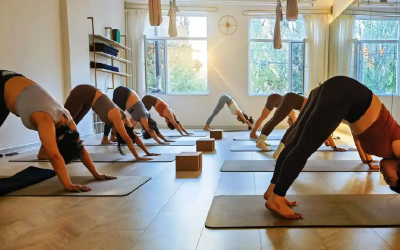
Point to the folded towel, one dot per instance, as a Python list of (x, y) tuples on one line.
[(104, 66), (27, 177)]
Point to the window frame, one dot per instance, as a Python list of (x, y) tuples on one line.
[(358, 45), (165, 39), (290, 72)]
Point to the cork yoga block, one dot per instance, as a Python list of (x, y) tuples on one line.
[(205, 144), (189, 161), (216, 134)]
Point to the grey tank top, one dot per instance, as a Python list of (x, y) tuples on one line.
[(137, 111), (36, 99), (102, 106)]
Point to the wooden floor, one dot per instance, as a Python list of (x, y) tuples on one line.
[(169, 211)]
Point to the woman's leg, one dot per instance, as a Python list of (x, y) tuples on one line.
[(85, 109), (222, 101), (264, 114)]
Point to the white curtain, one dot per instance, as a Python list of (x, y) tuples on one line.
[(340, 43), (317, 37), (136, 20)]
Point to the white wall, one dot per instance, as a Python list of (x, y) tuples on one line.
[(106, 13), (227, 73), (30, 44)]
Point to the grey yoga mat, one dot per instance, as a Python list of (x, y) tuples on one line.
[(122, 186), (247, 138), (254, 148), (248, 211), (152, 143), (108, 157), (311, 166)]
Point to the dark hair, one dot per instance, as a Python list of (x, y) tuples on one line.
[(251, 120), (153, 126), (396, 189), (170, 125), (122, 142), (68, 143)]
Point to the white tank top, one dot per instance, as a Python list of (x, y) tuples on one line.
[(233, 107)]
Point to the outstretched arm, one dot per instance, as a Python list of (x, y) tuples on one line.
[(292, 116), (240, 114), (143, 147), (264, 114), (365, 158), (171, 119), (333, 145), (145, 124)]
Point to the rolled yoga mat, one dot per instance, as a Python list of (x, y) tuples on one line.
[(176, 143), (107, 157), (27, 177), (248, 211), (247, 138), (254, 148), (122, 186), (311, 166)]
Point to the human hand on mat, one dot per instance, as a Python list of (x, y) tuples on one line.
[(144, 159), (104, 177), (163, 143), (152, 154), (78, 188), (169, 141), (339, 149)]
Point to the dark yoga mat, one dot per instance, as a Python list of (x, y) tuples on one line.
[(27, 177), (254, 148), (247, 138), (176, 143), (248, 211), (122, 186), (176, 134), (108, 157), (311, 166)]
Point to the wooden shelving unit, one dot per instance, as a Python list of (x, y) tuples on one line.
[(93, 38)]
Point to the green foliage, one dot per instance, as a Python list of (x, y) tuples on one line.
[(270, 68), (378, 60), (185, 74)]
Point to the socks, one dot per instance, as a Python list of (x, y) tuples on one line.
[(278, 151), (261, 142)]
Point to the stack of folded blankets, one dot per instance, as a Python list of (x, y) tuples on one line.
[(102, 47), (104, 66)]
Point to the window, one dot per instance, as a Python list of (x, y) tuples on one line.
[(375, 52), (177, 65), (275, 71)]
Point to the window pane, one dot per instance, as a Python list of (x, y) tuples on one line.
[(187, 66), (297, 68), (186, 26), (379, 67), (268, 68), (155, 71), (264, 29), (376, 29)]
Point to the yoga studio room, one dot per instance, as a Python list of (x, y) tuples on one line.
[(199, 125)]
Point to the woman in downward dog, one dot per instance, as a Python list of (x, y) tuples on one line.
[(85, 97), (164, 111), (340, 98), (289, 103), (41, 112), (127, 99), (241, 116)]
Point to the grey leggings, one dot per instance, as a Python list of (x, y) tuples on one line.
[(224, 99)]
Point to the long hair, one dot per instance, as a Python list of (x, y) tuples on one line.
[(170, 125), (68, 144), (122, 142), (153, 126), (251, 120)]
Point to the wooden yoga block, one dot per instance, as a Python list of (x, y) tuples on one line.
[(216, 134), (205, 144), (189, 161)]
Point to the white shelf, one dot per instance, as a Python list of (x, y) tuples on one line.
[(112, 42), (113, 72), (112, 57)]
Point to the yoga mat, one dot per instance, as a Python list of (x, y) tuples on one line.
[(247, 138), (27, 177), (195, 134), (122, 186), (311, 166), (176, 143), (107, 157), (254, 148), (248, 211)]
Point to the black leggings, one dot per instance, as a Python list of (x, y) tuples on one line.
[(4, 77), (120, 97), (339, 98)]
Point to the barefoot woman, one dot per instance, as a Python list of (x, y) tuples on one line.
[(370, 122), (85, 97), (241, 116), (164, 111), (41, 112)]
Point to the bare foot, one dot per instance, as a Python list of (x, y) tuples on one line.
[(270, 191), (277, 204), (207, 128), (106, 141)]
